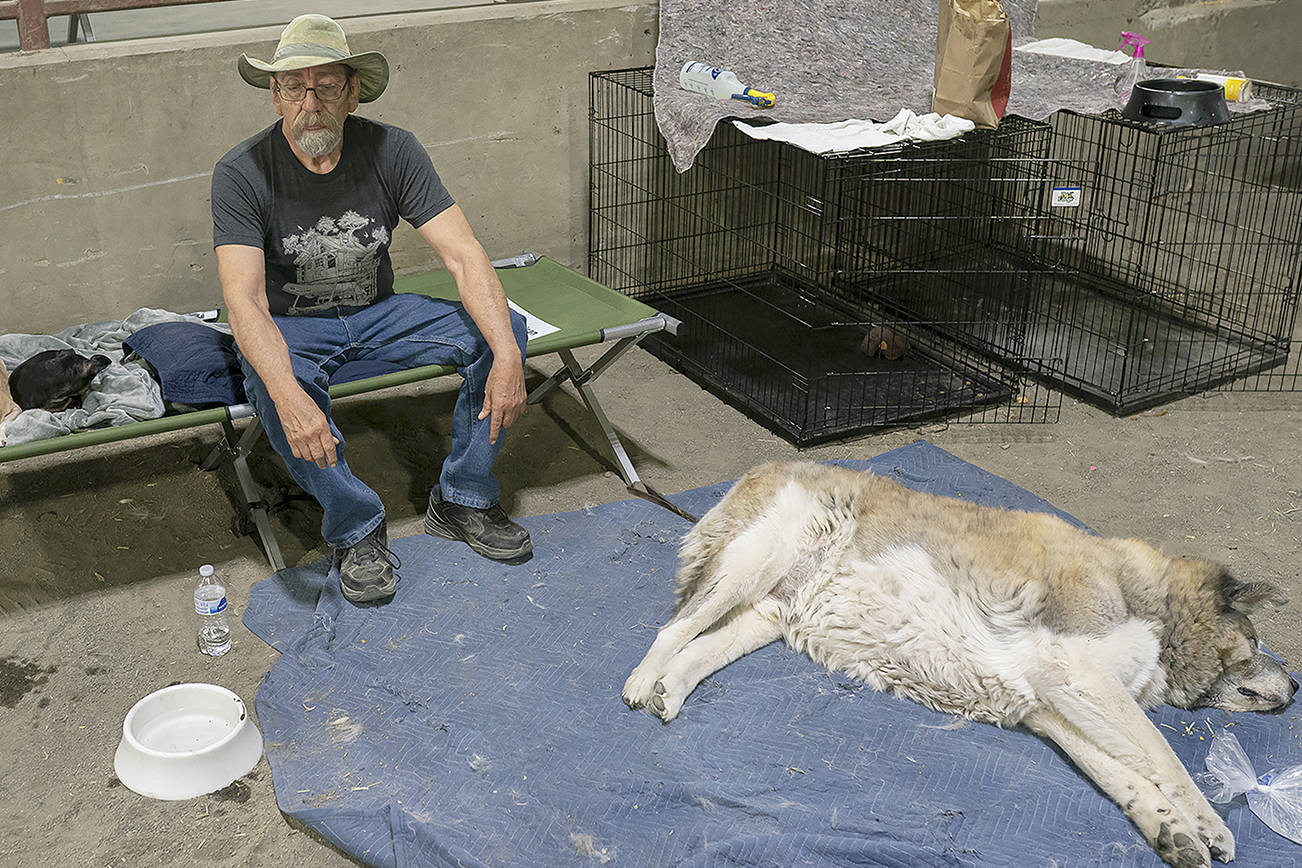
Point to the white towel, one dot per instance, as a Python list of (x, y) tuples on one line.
[(1072, 48), (851, 135)]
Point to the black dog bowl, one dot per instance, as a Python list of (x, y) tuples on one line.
[(1181, 102)]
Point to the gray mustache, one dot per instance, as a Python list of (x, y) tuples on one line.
[(315, 118)]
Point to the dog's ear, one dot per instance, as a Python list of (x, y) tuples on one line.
[(1252, 598)]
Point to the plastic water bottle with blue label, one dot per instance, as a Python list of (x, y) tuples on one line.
[(699, 77), (210, 606)]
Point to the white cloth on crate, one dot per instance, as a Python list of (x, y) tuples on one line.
[(121, 393), (851, 135), (1061, 47), (1138, 71)]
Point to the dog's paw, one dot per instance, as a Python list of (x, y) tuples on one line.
[(665, 703), (1219, 842), (1211, 830), (640, 686), (1180, 849)]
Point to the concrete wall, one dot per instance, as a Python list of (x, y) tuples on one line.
[(108, 149), (1260, 37)]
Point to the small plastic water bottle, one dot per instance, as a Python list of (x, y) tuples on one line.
[(210, 606), (699, 77)]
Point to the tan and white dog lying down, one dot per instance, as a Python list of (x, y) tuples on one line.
[(1000, 616)]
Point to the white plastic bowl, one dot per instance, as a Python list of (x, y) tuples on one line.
[(186, 740)]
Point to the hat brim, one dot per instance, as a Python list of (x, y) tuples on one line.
[(371, 67)]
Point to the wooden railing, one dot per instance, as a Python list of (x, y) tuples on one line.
[(33, 15)]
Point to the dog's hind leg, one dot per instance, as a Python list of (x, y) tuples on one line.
[(1161, 823), (744, 571), (742, 631)]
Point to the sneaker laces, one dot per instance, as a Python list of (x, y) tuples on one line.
[(371, 549)]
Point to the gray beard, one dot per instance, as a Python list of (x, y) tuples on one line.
[(319, 143)]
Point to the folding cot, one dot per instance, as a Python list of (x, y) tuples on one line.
[(584, 312)]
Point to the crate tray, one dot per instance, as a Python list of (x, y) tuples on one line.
[(791, 358)]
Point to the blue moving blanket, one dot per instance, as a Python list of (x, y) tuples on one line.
[(477, 720)]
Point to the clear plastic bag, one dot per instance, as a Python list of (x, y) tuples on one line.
[(1275, 797)]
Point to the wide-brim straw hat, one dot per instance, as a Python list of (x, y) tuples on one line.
[(315, 40)]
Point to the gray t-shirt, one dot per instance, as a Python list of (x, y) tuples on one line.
[(325, 237)]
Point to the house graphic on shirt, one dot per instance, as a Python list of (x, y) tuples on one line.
[(336, 263)]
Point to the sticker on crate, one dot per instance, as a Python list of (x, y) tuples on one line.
[(1065, 197)]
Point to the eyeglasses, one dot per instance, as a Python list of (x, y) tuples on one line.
[(295, 91)]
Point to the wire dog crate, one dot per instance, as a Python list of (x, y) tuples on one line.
[(796, 276), (955, 238), (1178, 249)]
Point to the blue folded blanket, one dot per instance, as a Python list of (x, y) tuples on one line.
[(195, 363), (198, 365)]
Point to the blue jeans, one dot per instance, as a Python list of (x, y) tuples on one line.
[(402, 331)]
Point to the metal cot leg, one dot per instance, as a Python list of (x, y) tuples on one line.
[(582, 379), (237, 447)]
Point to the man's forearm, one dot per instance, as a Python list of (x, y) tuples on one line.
[(264, 347), (480, 290), (241, 270), (481, 293)]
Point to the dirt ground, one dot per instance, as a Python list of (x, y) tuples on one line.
[(98, 551)]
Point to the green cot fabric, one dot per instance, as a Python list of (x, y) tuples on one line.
[(96, 436), (579, 307)]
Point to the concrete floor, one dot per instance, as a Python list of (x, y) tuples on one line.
[(98, 551)]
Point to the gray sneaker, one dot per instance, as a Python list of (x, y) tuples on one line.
[(366, 571), (488, 531)]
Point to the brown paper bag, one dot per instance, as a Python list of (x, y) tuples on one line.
[(974, 56)]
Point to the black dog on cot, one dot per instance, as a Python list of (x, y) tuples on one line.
[(54, 380)]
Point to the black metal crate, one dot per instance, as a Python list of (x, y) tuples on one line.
[(753, 249), (951, 233), (794, 358), (1181, 261)]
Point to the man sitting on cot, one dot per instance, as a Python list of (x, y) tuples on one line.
[(303, 213)]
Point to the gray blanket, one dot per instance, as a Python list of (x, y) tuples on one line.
[(123, 392), (828, 60)]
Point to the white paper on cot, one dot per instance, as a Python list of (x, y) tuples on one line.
[(537, 327)]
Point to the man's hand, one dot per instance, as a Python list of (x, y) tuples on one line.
[(481, 292), (504, 395), (306, 428)]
